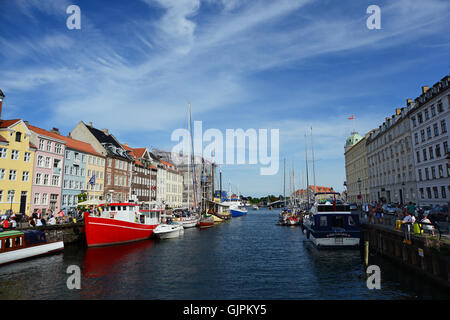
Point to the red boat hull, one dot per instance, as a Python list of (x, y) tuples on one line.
[(105, 232)]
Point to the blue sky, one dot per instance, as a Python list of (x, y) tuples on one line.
[(286, 64)]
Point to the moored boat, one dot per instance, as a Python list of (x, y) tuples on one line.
[(168, 230), (331, 224), (206, 221), (18, 245), (118, 223)]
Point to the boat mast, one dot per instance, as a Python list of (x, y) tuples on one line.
[(314, 162), (189, 159), (284, 183), (307, 177)]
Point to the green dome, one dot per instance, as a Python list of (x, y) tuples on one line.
[(353, 139)]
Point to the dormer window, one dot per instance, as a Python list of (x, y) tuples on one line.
[(18, 136)]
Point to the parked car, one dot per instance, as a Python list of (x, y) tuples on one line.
[(353, 206), (389, 209), (439, 214)]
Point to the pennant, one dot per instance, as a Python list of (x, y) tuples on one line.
[(351, 118)]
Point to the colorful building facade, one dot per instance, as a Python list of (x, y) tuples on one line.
[(16, 167)]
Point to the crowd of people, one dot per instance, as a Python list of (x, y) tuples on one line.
[(38, 219), (407, 214)]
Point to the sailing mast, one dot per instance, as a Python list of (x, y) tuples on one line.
[(307, 176), (189, 159), (314, 162), (284, 183)]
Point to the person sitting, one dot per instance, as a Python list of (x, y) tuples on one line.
[(31, 222), (38, 223), (427, 227), (408, 218), (5, 224), (13, 223), (52, 221)]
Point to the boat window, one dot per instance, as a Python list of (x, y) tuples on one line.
[(17, 244), (119, 208), (338, 222), (112, 208), (142, 219), (7, 243), (323, 221), (1, 242), (351, 221)]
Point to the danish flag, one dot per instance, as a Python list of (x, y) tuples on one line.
[(351, 118)]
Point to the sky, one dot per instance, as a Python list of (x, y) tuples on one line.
[(133, 66)]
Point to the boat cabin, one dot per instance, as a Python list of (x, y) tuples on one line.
[(14, 240), (130, 212)]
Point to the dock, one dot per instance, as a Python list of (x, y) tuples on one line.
[(71, 233), (425, 254)]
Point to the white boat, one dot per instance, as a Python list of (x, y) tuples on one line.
[(168, 230), (255, 207), (17, 245), (331, 224), (185, 218)]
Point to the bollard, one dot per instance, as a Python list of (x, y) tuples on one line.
[(366, 253)]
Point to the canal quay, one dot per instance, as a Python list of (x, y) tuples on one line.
[(247, 258)]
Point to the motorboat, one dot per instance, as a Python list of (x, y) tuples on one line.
[(19, 245), (117, 223), (206, 221), (186, 218), (331, 224), (169, 230)]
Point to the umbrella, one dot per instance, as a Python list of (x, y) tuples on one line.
[(92, 202)]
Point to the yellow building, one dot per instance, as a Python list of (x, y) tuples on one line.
[(16, 167), (95, 165)]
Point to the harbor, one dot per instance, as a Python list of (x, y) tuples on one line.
[(230, 261)]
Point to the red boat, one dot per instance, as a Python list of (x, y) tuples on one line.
[(118, 223), (206, 221)]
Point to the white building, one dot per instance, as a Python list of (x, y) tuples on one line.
[(429, 120), (161, 177), (390, 160)]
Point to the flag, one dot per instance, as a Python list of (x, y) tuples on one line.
[(351, 118), (92, 180)]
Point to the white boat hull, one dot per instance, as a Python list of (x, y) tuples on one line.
[(20, 254), (168, 233)]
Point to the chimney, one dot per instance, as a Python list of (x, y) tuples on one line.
[(424, 89), (398, 111), (55, 130), (105, 131), (90, 124), (1, 100), (26, 122), (388, 119)]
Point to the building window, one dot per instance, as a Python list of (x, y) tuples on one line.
[(445, 147), (45, 181), (444, 194), (47, 162), (419, 117), (41, 144), (433, 111), (443, 126), (430, 149), (18, 136), (55, 180), (14, 154), (427, 176), (435, 191), (25, 176), (438, 150), (38, 178), (3, 153), (427, 116), (58, 148), (441, 171), (420, 174), (49, 146), (439, 107), (416, 138), (37, 197), (421, 193), (429, 192), (27, 157), (422, 135), (433, 173), (424, 154), (44, 198), (429, 133), (12, 175), (10, 197)]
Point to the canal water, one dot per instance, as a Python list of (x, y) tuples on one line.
[(246, 258)]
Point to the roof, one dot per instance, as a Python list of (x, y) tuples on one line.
[(167, 163), (10, 233), (112, 146), (353, 139), (70, 143), (3, 139), (8, 123), (321, 189)]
